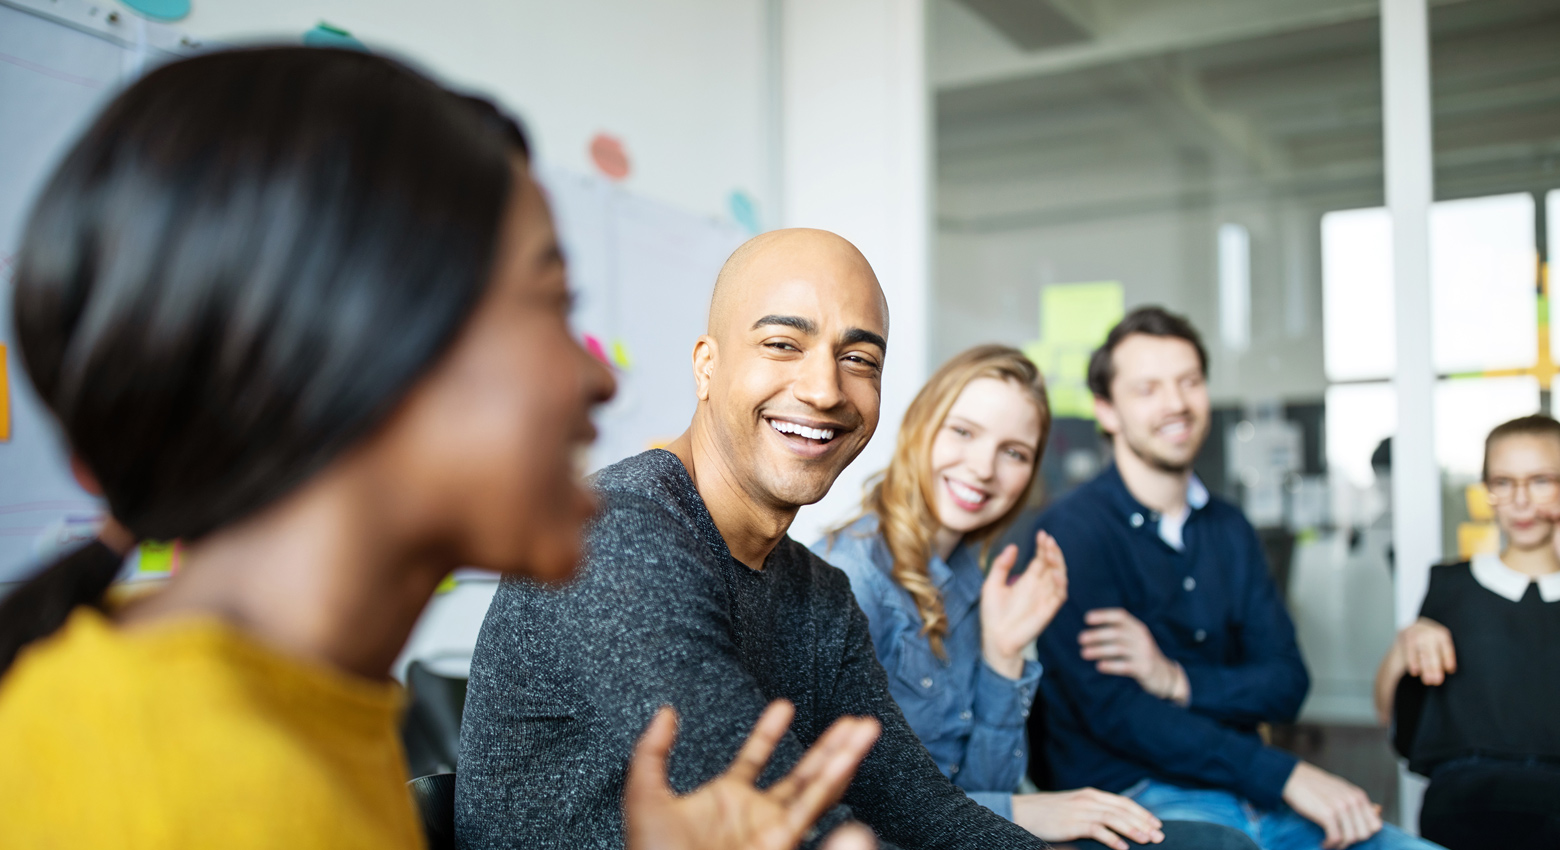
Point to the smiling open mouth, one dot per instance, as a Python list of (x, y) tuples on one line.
[(793, 429)]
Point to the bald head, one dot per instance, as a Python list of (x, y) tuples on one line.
[(826, 260)]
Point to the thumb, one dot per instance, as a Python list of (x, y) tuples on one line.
[(1002, 566), (647, 770), (851, 836)]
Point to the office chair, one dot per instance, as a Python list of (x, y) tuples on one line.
[(435, 799)]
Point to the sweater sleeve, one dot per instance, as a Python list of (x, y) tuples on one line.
[(1117, 712), (1270, 682), (898, 789), (650, 626)]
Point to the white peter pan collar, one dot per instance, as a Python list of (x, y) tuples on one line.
[(1491, 572)]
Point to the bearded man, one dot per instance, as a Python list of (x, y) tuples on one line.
[(1173, 644)]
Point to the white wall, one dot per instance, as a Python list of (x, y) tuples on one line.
[(856, 161), (681, 82)]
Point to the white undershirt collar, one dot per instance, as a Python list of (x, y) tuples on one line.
[(1172, 528), (1491, 572)]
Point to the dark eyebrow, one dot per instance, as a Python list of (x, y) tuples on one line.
[(806, 326), (855, 335)]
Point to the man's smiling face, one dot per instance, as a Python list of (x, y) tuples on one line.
[(792, 371)]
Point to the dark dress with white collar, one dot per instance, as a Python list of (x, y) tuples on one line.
[(1489, 737)]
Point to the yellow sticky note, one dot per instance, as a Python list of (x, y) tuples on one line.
[(5, 397), (1477, 538), (620, 354), (1074, 319), (447, 585), (156, 557), (1479, 503)]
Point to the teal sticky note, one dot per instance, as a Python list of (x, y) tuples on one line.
[(162, 10), (743, 210), (325, 35)]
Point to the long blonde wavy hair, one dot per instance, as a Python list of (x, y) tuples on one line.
[(902, 495)]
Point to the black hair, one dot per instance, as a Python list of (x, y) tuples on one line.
[(1532, 425), (237, 272), (1152, 321)]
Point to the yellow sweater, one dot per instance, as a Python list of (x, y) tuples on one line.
[(187, 734)]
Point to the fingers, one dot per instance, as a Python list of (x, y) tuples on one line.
[(1447, 652), (1106, 616), (821, 777), (647, 770), (1002, 566), (851, 836), (1099, 833), (760, 745)]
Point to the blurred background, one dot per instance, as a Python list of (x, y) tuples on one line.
[(1019, 171)]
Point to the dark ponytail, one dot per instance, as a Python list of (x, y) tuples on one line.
[(236, 273)]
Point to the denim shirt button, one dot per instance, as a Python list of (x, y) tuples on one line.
[(953, 768), (926, 682), (965, 715), (1018, 754)]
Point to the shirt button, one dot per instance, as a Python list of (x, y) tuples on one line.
[(1190, 584), (1200, 636), (965, 715), (1018, 754), (953, 768), (926, 682), (1026, 712), (1136, 520)]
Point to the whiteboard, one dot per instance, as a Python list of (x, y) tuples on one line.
[(642, 270)]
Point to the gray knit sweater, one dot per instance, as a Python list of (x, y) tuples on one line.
[(564, 682)]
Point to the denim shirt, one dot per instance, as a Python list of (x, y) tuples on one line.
[(969, 717)]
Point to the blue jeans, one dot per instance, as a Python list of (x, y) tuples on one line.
[(1274, 829)]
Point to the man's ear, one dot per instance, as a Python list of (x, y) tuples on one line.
[(1105, 413), (703, 366)]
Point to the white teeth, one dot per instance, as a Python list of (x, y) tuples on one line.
[(820, 434), (966, 492)]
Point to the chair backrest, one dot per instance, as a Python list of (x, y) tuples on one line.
[(1408, 703), (435, 798), (430, 730)]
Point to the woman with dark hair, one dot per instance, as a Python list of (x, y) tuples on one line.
[(303, 310)]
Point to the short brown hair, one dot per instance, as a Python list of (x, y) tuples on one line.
[(1535, 425), (1152, 321)]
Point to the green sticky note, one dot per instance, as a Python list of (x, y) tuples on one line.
[(620, 355), (1074, 319), (446, 585), (156, 557)]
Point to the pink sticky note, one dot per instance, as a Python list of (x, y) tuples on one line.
[(596, 350)]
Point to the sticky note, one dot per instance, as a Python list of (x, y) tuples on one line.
[(610, 156), (593, 345), (620, 354), (156, 556), (325, 35), (162, 10), (447, 585), (743, 210), (5, 396), (1074, 319)]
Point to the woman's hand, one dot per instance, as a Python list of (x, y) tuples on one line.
[(1425, 647), (1120, 645), (1013, 614), (1086, 813), (730, 812)]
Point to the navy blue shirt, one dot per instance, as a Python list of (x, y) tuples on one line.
[(1212, 607)]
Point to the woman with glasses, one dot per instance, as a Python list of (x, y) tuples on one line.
[(1478, 674)]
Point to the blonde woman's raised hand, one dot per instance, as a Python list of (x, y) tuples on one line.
[(1013, 612), (730, 812)]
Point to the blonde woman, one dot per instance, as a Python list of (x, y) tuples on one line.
[(952, 636)]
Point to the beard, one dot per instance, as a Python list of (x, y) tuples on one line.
[(1145, 452)]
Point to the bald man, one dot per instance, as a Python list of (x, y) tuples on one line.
[(693, 596)]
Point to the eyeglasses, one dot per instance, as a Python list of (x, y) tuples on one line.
[(1540, 488)]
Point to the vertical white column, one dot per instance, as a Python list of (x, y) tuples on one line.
[(1416, 486), (855, 154)]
